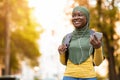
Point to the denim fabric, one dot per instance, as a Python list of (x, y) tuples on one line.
[(71, 78)]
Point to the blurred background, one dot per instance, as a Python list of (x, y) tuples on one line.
[(32, 30)]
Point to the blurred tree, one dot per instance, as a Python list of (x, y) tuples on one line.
[(82, 2), (104, 21), (7, 37), (23, 34)]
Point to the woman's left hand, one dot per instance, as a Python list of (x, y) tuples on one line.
[(95, 42)]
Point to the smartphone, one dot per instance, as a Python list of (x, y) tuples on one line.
[(99, 35)]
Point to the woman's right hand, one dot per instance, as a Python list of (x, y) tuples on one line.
[(62, 49)]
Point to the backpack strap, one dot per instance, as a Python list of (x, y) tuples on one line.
[(91, 33), (67, 42), (67, 39)]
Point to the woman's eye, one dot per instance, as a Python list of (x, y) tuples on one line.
[(73, 15), (81, 15)]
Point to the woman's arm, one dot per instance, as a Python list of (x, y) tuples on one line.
[(62, 58), (98, 56)]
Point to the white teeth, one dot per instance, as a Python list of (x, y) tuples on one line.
[(76, 22)]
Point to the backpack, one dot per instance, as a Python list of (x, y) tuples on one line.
[(67, 40)]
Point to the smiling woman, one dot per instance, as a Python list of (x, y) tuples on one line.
[(76, 51)]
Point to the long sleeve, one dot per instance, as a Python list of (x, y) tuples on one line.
[(62, 55), (98, 56), (62, 58)]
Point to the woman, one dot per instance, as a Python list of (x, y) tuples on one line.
[(80, 63)]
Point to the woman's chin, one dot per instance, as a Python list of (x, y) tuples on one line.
[(78, 27)]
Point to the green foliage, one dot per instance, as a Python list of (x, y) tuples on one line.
[(106, 18), (23, 34), (105, 22), (117, 60)]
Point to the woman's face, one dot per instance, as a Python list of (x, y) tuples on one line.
[(79, 20)]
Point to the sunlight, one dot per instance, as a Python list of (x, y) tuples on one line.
[(47, 12), (118, 28), (92, 2), (50, 15), (102, 69)]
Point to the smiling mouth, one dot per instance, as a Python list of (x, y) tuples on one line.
[(76, 22)]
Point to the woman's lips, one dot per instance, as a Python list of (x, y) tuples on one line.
[(76, 22)]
